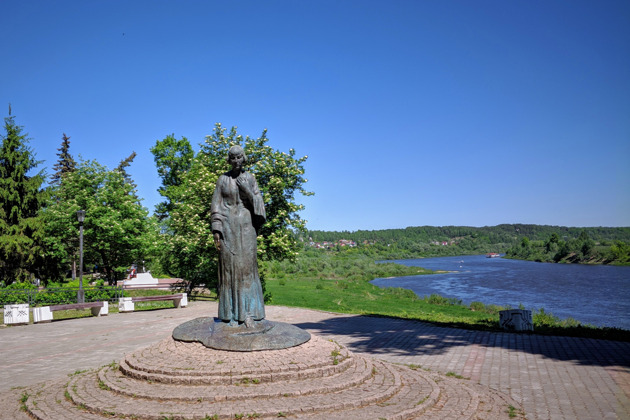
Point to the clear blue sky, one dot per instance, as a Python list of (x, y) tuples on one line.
[(411, 112)]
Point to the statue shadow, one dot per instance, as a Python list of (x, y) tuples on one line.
[(401, 337)]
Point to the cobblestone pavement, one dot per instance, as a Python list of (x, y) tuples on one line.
[(552, 377)]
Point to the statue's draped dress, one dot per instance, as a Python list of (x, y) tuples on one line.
[(237, 219)]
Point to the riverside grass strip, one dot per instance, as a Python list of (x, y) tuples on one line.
[(361, 297)]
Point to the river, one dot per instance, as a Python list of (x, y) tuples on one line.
[(593, 294)]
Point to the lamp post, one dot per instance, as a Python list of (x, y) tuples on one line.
[(80, 293)]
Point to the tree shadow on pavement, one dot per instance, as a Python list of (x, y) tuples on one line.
[(395, 336)]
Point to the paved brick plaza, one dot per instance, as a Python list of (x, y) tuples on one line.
[(552, 377)]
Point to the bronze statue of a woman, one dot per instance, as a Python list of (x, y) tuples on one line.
[(237, 212)]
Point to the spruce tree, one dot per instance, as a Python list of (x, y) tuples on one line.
[(21, 197), (121, 168), (66, 162)]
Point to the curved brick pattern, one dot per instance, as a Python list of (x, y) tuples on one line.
[(320, 379), (464, 399), (175, 358), (11, 406), (121, 382), (560, 378), (417, 394), (50, 403), (191, 363), (309, 365), (85, 391)]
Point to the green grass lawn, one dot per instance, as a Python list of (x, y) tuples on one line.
[(338, 282), (361, 297)]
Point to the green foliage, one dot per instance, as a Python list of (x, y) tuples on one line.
[(56, 294), (173, 158), (430, 241), (21, 198), (334, 266), (549, 324), (582, 249), (514, 412), (16, 292), (489, 309), (117, 230), (455, 375), (188, 184), (620, 252), (477, 306), (436, 299)]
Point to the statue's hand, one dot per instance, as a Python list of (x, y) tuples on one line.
[(241, 181), (243, 185), (217, 240)]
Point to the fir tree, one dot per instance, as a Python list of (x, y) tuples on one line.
[(121, 168), (66, 162), (21, 197)]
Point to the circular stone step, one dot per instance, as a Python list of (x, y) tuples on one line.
[(176, 362), (319, 379), (121, 382)]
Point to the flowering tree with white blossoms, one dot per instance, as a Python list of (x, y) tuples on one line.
[(189, 251), (117, 229)]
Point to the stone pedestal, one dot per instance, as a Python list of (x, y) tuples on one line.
[(16, 314), (181, 303), (125, 304), (142, 279), (101, 310), (263, 335), (42, 314), (516, 320)]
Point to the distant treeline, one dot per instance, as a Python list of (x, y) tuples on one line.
[(426, 241), (582, 250)]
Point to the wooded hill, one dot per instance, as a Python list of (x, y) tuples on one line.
[(423, 241)]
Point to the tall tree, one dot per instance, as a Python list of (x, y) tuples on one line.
[(21, 198), (116, 225), (65, 163), (189, 251), (173, 159)]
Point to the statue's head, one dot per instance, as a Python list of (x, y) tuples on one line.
[(235, 154)]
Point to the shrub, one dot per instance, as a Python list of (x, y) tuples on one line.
[(56, 295), (16, 293), (436, 299), (403, 293), (542, 318), (478, 306)]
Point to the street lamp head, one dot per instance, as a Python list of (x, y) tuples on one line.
[(81, 215)]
